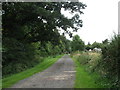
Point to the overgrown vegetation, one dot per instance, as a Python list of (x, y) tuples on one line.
[(86, 76), (110, 61), (104, 66), (84, 79)]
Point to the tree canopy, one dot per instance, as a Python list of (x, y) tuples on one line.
[(77, 44), (39, 21)]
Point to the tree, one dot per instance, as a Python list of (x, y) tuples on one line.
[(96, 45), (31, 29), (34, 22), (88, 46), (77, 44), (105, 41), (65, 44)]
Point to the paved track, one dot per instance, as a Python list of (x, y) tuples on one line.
[(60, 75)]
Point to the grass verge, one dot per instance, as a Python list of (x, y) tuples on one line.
[(9, 81), (83, 78)]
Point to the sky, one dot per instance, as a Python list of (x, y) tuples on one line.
[(100, 20)]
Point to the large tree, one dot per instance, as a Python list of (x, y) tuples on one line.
[(39, 21)]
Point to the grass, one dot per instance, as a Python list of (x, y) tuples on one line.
[(84, 79), (0, 83), (9, 81)]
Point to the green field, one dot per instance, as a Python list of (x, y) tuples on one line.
[(9, 81)]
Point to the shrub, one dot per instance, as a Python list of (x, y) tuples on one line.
[(18, 56), (110, 62)]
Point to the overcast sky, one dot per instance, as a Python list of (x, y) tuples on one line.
[(100, 20)]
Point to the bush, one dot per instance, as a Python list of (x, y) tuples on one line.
[(89, 60), (18, 56), (111, 58)]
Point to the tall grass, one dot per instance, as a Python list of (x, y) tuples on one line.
[(106, 64), (86, 63)]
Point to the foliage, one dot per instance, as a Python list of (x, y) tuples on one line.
[(77, 44), (34, 22), (85, 79), (88, 46), (110, 61), (89, 61), (94, 45), (105, 41), (18, 56), (105, 64), (31, 32)]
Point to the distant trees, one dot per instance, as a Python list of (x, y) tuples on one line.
[(94, 45), (105, 41), (77, 44), (88, 46)]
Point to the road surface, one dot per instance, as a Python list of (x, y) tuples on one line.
[(60, 75)]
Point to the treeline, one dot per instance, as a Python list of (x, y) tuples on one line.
[(96, 45), (30, 32), (19, 56)]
